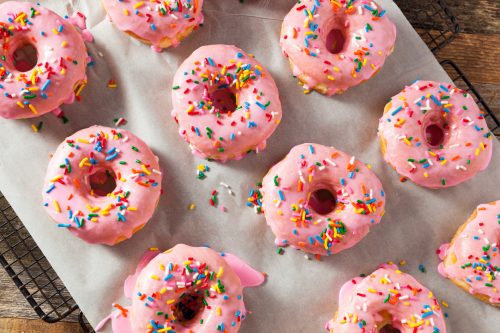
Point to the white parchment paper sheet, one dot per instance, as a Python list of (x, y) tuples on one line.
[(300, 295)]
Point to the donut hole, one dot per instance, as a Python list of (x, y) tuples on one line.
[(335, 41), (102, 182), (224, 100), (188, 306), (434, 135), (25, 57), (389, 329), (322, 201)]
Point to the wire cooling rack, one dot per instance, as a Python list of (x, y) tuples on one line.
[(433, 20), (39, 283)]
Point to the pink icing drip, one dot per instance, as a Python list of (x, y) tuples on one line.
[(129, 285), (249, 277)]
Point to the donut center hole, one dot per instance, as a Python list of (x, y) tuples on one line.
[(389, 329), (434, 135), (323, 201), (224, 100), (335, 41), (188, 307), (25, 57), (102, 182)]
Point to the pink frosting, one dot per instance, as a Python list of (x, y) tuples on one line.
[(155, 20), (69, 198), (61, 62), (467, 145), (411, 306), (476, 249), (369, 39), (211, 132), (287, 188), (161, 277)]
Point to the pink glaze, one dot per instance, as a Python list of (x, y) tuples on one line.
[(79, 20), (61, 60), (467, 145), (476, 249), (411, 306), (211, 132), (288, 186), (155, 21), (369, 39), (159, 275), (110, 218)]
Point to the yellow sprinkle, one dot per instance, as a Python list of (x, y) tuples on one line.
[(331, 78), (82, 140), (145, 169), (83, 161), (219, 311), (32, 108), (55, 179), (55, 31), (190, 108), (220, 272), (21, 105), (64, 44), (139, 5), (171, 301), (56, 206), (155, 277), (191, 206), (35, 129), (125, 11), (132, 208)]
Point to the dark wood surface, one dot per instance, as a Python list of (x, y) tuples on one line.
[(477, 52)]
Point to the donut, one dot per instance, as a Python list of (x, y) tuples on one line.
[(160, 24), (435, 135), (42, 60), (102, 184), (472, 259), (385, 301), (225, 102), (183, 290), (321, 200), (335, 45)]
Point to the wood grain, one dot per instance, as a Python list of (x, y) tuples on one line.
[(476, 51), (478, 55), (478, 16), (14, 325)]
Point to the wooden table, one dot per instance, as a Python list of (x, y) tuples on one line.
[(475, 50)]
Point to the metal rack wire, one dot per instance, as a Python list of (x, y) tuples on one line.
[(39, 283), (433, 20)]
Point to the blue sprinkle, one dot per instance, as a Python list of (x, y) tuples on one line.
[(46, 84), (50, 188), (397, 110)]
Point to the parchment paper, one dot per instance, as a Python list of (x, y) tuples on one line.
[(300, 295)]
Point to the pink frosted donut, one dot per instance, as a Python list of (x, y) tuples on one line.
[(434, 134), (335, 45), (32, 87), (321, 200), (225, 102), (159, 23), (183, 290), (472, 259), (387, 300), (102, 184)]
